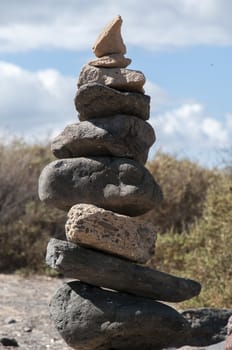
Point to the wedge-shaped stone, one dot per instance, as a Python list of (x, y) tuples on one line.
[(118, 78), (94, 227), (119, 136), (104, 270), (116, 60), (118, 184), (97, 101), (110, 40), (89, 318)]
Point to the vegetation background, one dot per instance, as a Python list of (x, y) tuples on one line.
[(194, 222)]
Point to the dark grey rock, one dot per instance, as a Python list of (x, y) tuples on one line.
[(98, 101), (118, 184), (5, 341), (208, 325), (108, 271), (10, 320), (89, 318), (119, 136)]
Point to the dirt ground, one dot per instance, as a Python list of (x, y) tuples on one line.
[(24, 314)]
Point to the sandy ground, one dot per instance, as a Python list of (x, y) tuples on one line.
[(24, 314)]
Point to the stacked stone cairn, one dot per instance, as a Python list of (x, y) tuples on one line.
[(101, 179)]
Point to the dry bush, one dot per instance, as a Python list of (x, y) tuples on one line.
[(204, 253), (19, 171), (25, 223), (184, 186)]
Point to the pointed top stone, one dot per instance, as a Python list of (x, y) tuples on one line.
[(110, 40)]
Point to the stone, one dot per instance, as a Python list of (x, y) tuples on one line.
[(6, 341), (108, 271), (98, 101), (10, 320), (208, 325), (116, 60), (110, 40), (118, 78), (116, 234), (118, 184), (89, 318), (120, 136)]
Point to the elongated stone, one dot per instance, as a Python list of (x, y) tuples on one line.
[(116, 234), (119, 136), (98, 101), (118, 78), (110, 40), (118, 184), (89, 318), (108, 271)]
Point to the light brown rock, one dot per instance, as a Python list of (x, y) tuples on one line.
[(110, 40), (113, 233), (118, 78), (115, 60)]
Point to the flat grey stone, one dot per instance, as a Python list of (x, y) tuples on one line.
[(118, 184), (115, 60), (98, 101), (120, 136), (89, 318), (99, 269), (122, 79)]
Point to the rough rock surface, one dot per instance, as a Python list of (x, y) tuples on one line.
[(208, 325), (25, 300), (118, 184), (118, 78), (97, 101), (116, 234), (120, 136), (110, 40), (111, 61), (99, 269), (89, 318)]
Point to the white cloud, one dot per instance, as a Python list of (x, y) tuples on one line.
[(188, 131), (39, 104), (74, 24), (32, 104)]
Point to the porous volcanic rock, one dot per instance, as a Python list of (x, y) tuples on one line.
[(116, 60), (119, 136), (118, 78), (105, 270), (110, 40), (113, 233), (118, 184), (89, 318), (97, 101)]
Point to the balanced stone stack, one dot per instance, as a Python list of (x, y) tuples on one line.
[(101, 180)]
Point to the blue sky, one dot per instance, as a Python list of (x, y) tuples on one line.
[(184, 48)]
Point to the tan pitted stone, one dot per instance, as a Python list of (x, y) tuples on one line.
[(115, 60), (118, 78), (110, 40), (113, 233)]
